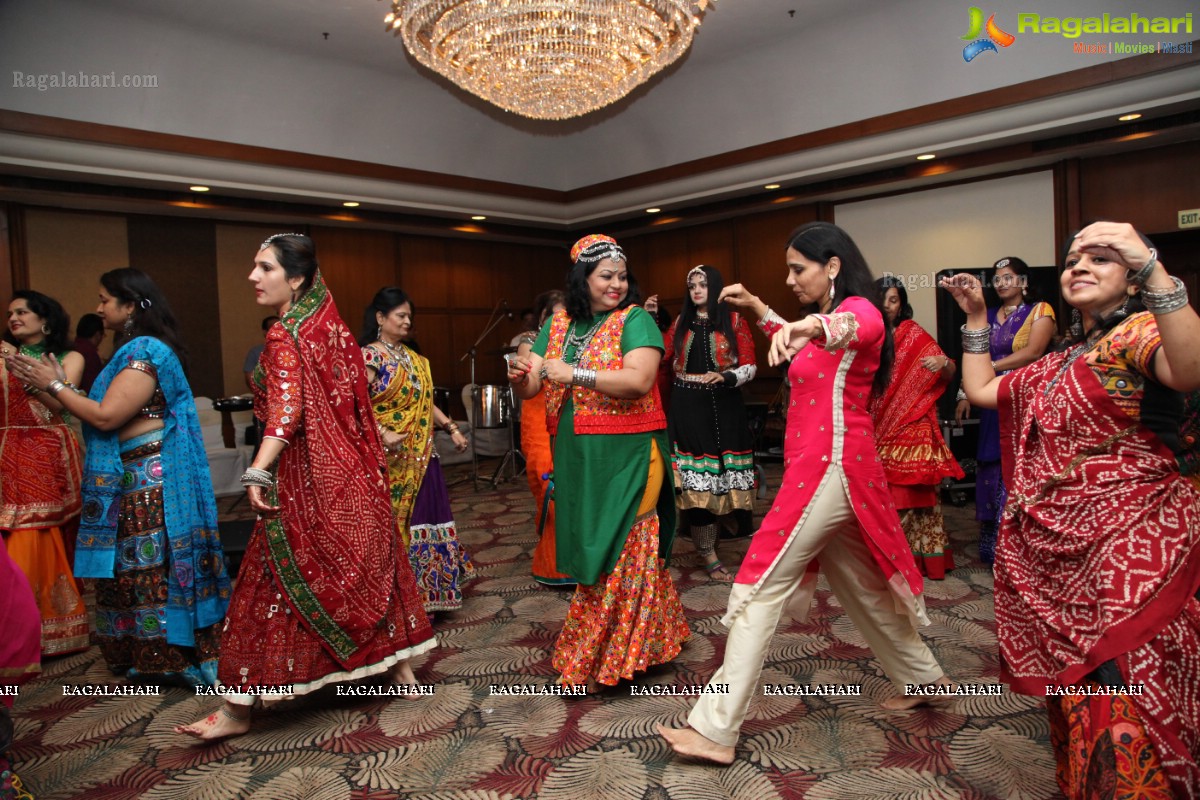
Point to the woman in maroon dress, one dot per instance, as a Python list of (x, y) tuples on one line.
[(325, 593)]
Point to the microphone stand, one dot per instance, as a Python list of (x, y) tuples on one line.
[(472, 351)]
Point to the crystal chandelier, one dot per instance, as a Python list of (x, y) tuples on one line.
[(547, 59)]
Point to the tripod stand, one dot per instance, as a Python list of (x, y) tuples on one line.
[(500, 401)]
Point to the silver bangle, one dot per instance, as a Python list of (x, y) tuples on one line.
[(1164, 301), (581, 376), (1142, 275), (962, 395), (257, 477), (977, 341), (54, 387)]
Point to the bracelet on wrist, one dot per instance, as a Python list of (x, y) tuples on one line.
[(54, 387), (1164, 301), (1140, 277), (257, 477)]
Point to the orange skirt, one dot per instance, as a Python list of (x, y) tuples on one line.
[(40, 554), (539, 461), (630, 619)]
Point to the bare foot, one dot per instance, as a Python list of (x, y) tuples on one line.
[(906, 702), (218, 725), (693, 744), (402, 675)]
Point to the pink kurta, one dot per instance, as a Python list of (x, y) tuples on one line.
[(828, 423)]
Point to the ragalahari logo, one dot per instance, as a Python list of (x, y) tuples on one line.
[(994, 37)]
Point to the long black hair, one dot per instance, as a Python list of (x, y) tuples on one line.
[(579, 298), (718, 313), (152, 315), (385, 301), (892, 282), (54, 318), (821, 241)]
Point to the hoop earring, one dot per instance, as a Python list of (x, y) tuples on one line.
[(45, 330)]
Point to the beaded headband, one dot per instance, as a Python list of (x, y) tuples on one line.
[(596, 247), (271, 239)]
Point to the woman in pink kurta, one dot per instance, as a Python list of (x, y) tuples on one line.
[(833, 505)]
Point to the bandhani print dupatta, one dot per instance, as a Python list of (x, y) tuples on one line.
[(199, 586), (333, 547)]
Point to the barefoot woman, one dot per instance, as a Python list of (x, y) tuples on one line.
[(833, 504), (325, 593)]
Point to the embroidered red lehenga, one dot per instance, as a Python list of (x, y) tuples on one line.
[(325, 593), (914, 454)]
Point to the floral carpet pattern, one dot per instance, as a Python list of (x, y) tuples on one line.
[(465, 743)]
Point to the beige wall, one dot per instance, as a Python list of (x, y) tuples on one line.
[(68, 252), (241, 317), (968, 226)]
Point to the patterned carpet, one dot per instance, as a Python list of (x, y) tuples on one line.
[(465, 744)]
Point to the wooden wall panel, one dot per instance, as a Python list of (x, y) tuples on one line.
[(424, 273), (241, 316), (356, 264), (65, 254), (180, 254), (1145, 188)]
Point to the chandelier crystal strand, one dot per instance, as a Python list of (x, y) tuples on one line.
[(547, 59)]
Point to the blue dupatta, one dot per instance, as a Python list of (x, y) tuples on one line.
[(199, 586)]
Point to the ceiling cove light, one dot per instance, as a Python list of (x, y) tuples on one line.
[(351, 204), (479, 217), (547, 59), (653, 210), (198, 188), (1129, 117), (926, 156), (771, 186)]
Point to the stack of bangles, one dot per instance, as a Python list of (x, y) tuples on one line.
[(581, 376), (254, 476), (451, 427), (978, 341), (52, 389), (1164, 301)]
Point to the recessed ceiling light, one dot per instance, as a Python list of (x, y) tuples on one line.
[(1128, 117), (479, 217), (771, 186), (198, 188), (926, 156), (653, 210), (351, 204)]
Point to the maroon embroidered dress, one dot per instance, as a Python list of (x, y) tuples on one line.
[(828, 422), (915, 456), (325, 593), (1097, 562)]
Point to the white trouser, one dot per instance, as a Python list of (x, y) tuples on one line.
[(830, 531)]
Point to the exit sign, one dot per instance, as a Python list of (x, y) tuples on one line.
[(1190, 218)]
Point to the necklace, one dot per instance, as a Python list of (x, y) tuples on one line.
[(576, 343), (1083, 348), (401, 357)]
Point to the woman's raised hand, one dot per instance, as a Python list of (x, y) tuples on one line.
[(738, 295), (967, 291)]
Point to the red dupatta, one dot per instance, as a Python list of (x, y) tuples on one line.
[(907, 434), (334, 547)]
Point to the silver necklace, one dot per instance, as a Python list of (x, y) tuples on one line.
[(578, 343), (400, 355)]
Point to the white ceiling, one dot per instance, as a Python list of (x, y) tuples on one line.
[(261, 72)]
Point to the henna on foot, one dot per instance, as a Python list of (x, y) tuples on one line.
[(218, 725)]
